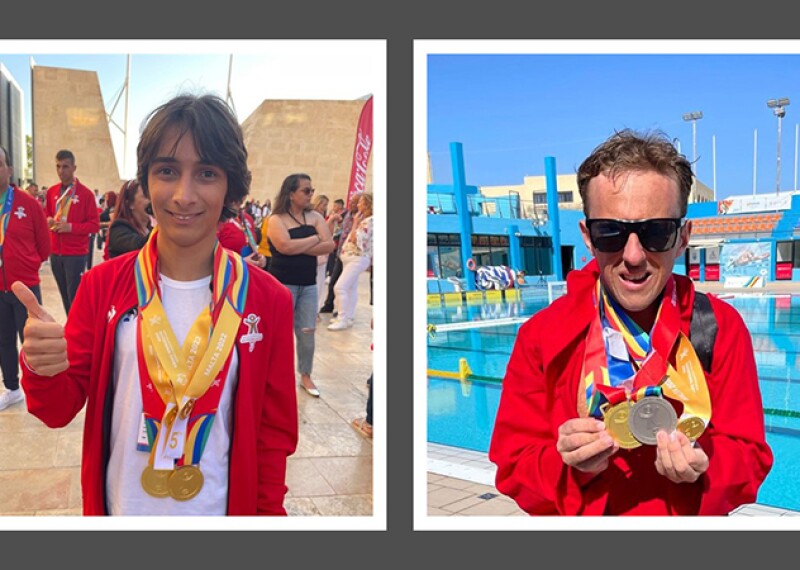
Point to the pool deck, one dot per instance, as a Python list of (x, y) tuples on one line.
[(330, 474), (461, 481)]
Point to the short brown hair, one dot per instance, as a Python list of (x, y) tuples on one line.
[(216, 134), (628, 151)]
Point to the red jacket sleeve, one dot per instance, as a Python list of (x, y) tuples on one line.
[(231, 237), (41, 232), (56, 400), (277, 436), (735, 441), (523, 446)]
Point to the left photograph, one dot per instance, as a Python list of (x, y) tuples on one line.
[(188, 325)]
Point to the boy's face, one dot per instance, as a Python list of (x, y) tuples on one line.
[(187, 195), (65, 169)]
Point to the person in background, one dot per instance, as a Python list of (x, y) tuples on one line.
[(346, 226), (297, 235), (131, 226), (334, 220), (237, 233), (606, 407), (207, 433), (356, 258), (24, 246), (320, 205), (72, 215)]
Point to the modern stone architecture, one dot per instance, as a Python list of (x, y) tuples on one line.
[(312, 136), (68, 113), (11, 123)]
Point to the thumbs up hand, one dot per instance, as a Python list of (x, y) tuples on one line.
[(45, 346)]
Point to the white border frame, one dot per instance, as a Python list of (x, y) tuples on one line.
[(378, 520), (423, 48)]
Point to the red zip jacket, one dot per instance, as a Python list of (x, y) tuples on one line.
[(540, 392), (264, 407), (27, 242), (82, 215), (232, 236)]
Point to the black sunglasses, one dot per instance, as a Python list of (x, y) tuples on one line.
[(655, 235)]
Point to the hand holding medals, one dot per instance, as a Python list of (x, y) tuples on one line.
[(585, 445), (45, 348), (678, 459)]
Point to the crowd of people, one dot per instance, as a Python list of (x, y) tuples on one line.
[(181, 343)]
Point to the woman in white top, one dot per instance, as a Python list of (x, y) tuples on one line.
[(356, 257)]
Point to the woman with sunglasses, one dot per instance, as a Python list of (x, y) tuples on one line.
[(131, 223), (297, 235), (607, 408)]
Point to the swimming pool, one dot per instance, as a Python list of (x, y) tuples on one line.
[(463, 416)]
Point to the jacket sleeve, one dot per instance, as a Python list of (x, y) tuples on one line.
[(57, 400), (41, 232), (122, 238), (231, 237), (523, 446), (735, 441), (277, 436)]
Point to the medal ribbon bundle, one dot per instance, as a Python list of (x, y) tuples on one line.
[(634, 413), (5, 215), (251, 240), (64, 202), (173, 378)]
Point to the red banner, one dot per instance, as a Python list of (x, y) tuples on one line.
[(361, 152)]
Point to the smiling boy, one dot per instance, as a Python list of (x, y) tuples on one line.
[(182, 356)]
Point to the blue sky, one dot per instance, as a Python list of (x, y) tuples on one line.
[(159, 70), (510, 111)]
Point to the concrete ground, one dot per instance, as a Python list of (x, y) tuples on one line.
[(330, 473)]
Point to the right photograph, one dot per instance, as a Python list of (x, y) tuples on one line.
[(612, 282)]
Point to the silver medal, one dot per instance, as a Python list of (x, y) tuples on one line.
[(648, 416)]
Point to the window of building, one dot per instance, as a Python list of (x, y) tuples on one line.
[(565, 197), (490, 250), (444, 256), (537, 255)]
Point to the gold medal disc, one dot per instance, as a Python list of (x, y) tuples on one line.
[(616, 420), (154, 481), (185, 482), (692, 427)]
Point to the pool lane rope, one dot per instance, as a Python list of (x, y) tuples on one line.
[(463, 374)]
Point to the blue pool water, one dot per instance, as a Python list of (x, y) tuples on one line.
[(463, 416)]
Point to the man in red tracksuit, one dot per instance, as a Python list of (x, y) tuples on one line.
[(24, 245), (72, 216), (605, 407), (181, 352)]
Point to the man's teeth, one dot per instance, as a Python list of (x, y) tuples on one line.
[(635, 279)]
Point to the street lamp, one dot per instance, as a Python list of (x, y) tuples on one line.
[(778, 107), (693, 117)]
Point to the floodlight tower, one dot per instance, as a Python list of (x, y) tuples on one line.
[(778, 107)]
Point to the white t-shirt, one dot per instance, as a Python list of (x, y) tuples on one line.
[(183, 301)]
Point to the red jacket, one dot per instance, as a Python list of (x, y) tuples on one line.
[(27, 242), (82, 215), (540, 392), (231, 235), (264, 407)]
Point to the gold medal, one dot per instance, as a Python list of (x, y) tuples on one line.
[(154, 481), (616, 420), (692, 427), (185, 482)]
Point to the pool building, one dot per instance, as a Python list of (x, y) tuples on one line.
[(741, 241)]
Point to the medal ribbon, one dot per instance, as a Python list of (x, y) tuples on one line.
[(655, 375), (64, 202), (182, 374), (5, 215), (251, 240)]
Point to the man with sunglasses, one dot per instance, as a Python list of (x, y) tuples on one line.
[(606, 408)]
